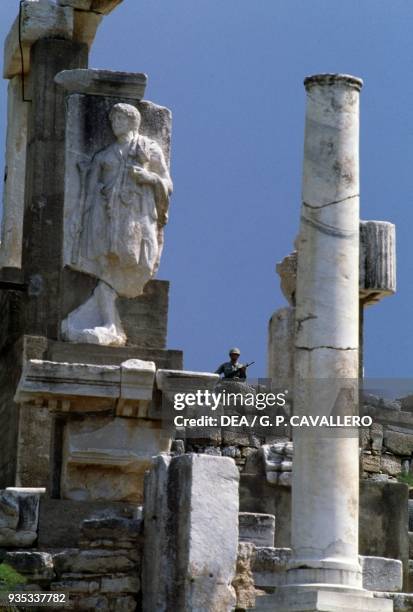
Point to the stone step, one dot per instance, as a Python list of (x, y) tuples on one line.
[(324, 601), (379, 574), (403, 602), (257, 528)]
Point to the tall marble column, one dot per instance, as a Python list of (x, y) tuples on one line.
[(325, 473)]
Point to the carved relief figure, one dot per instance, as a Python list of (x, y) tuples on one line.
[(124, 207)]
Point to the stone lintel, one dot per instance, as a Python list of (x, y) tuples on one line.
[(98, 6), (131, 380), (38, 19), (103, 83), (172, 381)]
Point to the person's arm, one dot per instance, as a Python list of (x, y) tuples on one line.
[(220, 370)]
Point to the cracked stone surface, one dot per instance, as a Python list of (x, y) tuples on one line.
[(325, 479)]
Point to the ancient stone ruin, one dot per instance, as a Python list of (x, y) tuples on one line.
[(106, 502)]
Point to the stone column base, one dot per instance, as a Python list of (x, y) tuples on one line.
[(295, 599)]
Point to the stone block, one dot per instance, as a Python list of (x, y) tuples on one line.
[(33, 446), (191, 534), (99, 6), (92, 562), (129, 85), (377, 260), (60, 521), (137, 378), (243, 582), (124, 604), (383, 522), (86, 587), (296, 599), (402, 602), (257, 495), (23, 505), (38, 19), (376, 432), (370, 463), (105, 458), (9, 510), (47, 378), (117, 528), (120, 584), (390, 464), (281, 333), (257, 528), (32, 565), (398, 443), (103, 355), (410, 511), (14, 176), (269, 566), (380, 574), (78, 386)]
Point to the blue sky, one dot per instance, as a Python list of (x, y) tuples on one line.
[(232, 73)]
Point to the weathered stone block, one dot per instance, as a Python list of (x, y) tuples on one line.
[(410, 511), (26, 505), (390, 464), (103, 83), (33, 565), (39, 19), (61, 521), (377, 260), (9, 510), (383, 522), (402, 602), (113, 527), (380, 574), (14, 176), (257, 528), (191, 534), (76, 586), (92, 562), (243, 582), (281, 333), (106, 458), (370, 463), (269, 566), (98, 6), (120, 584), (399, 443)]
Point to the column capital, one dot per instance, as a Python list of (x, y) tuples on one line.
[(329, 79)]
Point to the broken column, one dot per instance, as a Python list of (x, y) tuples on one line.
[(325, 474), (377, 280), (281, 326)]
